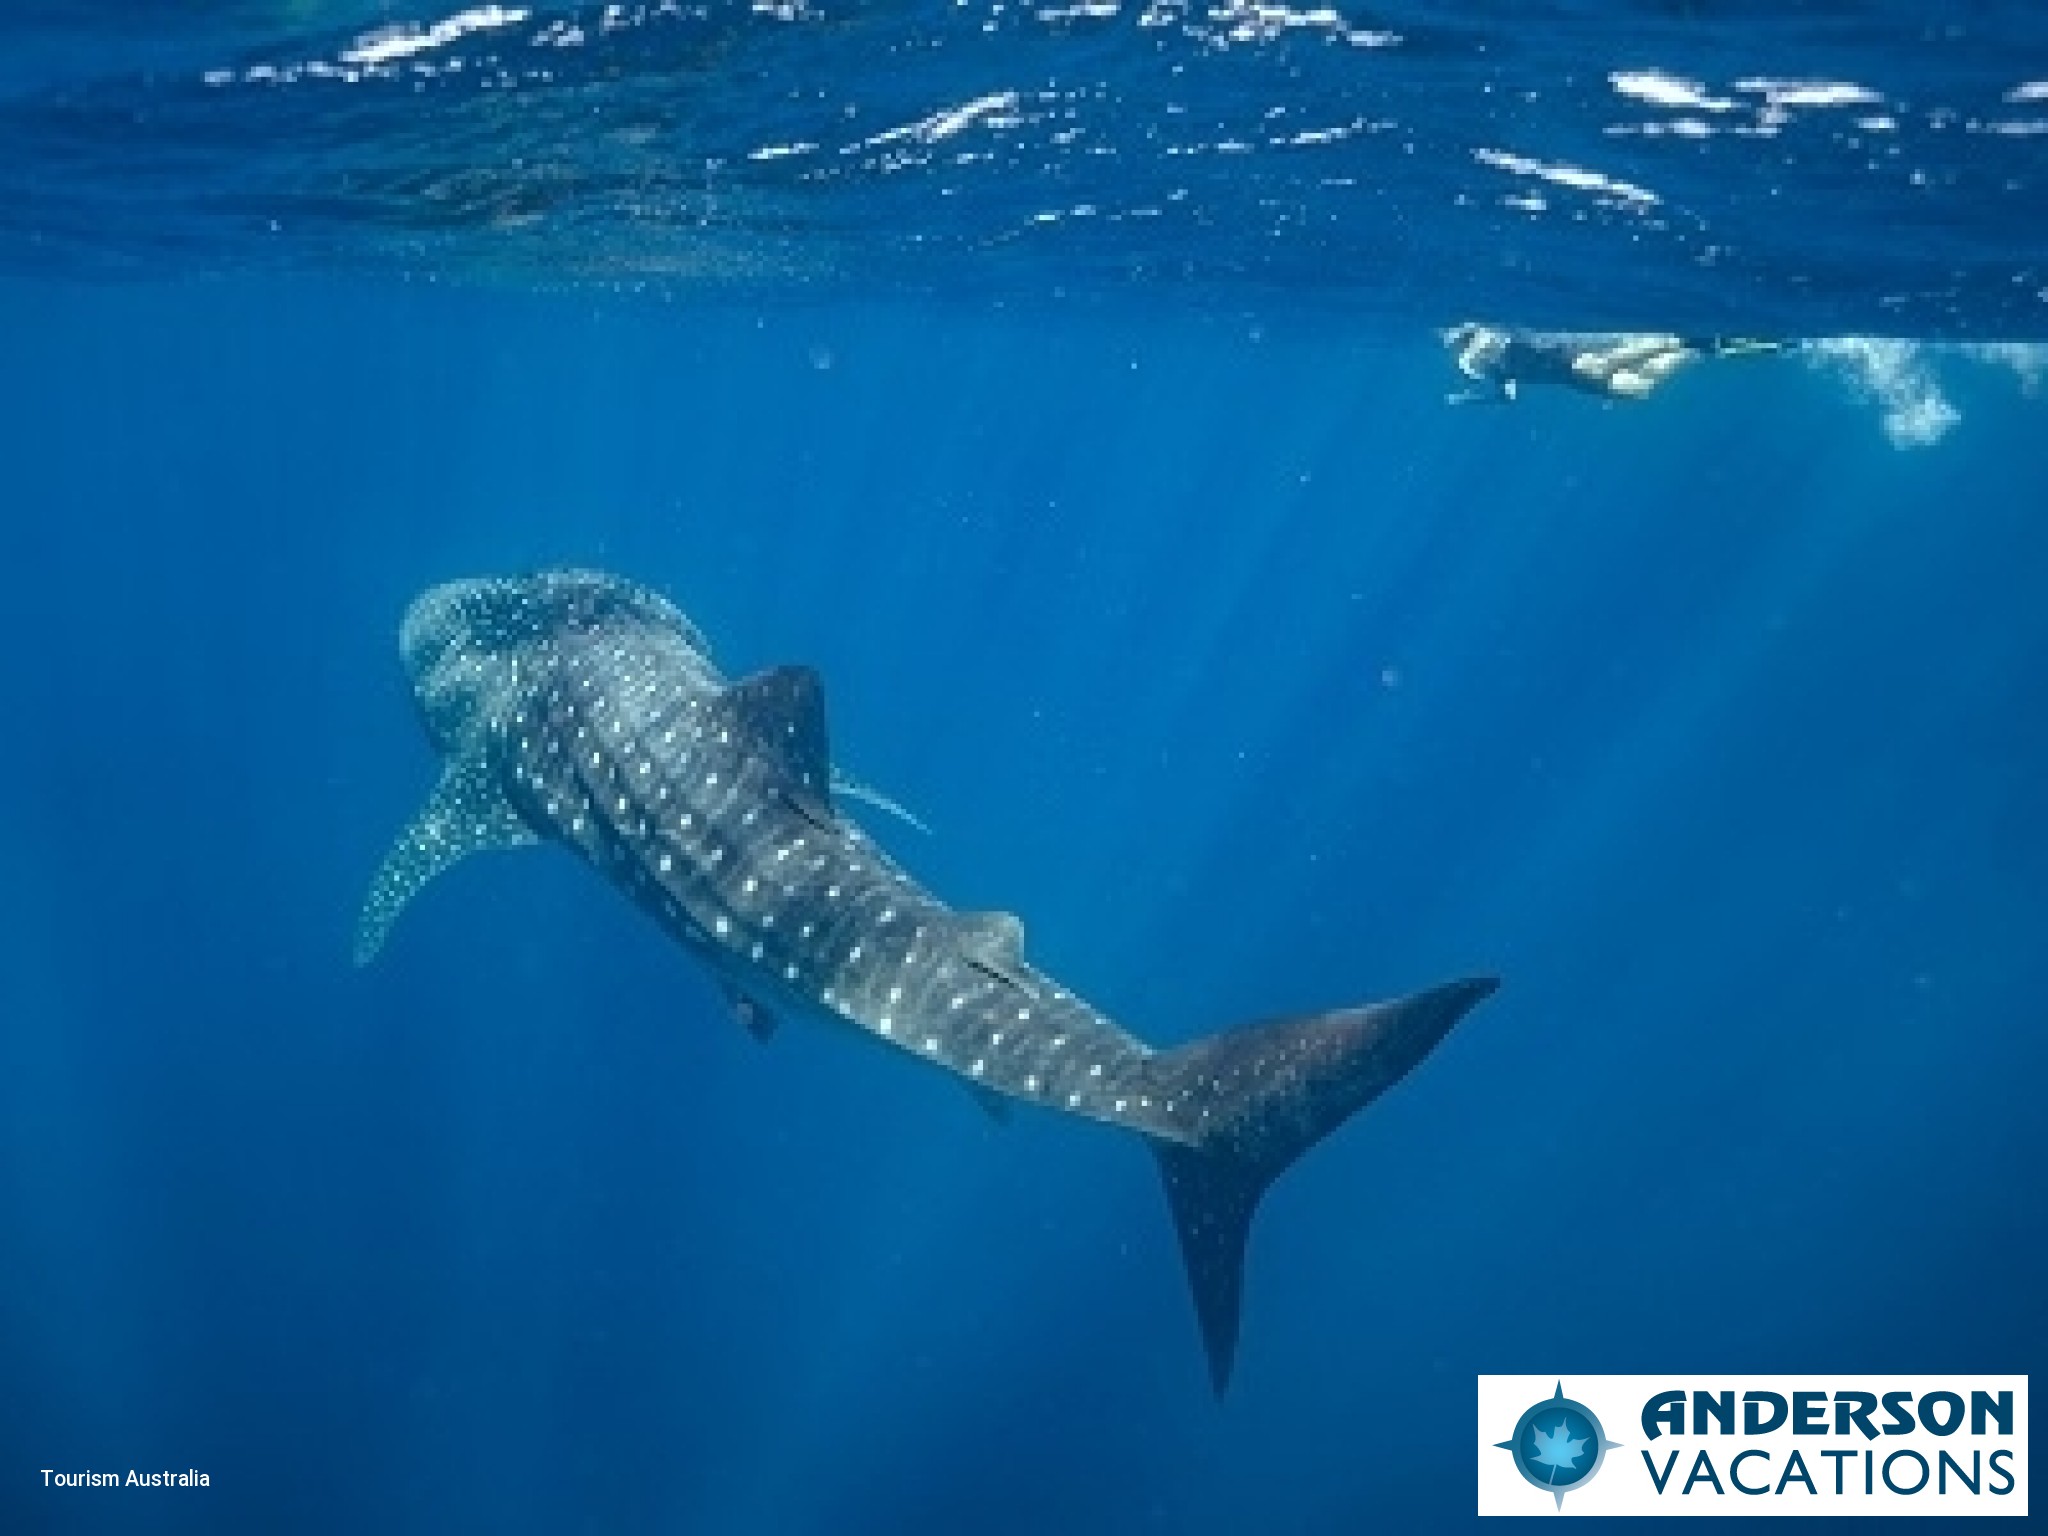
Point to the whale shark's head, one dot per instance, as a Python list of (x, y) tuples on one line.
[(465, 643)]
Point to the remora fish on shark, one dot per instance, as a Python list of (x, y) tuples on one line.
[(580, 708)]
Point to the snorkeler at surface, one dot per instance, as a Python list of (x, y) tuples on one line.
[(1613, 365)]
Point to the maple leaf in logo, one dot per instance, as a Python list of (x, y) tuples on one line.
[(1557, 1450)]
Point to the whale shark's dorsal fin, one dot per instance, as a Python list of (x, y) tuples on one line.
[(467, 813), (782, 712)]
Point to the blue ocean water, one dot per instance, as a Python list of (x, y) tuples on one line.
[(1150, 568)]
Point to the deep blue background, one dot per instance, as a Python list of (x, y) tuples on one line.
[(1253, 677)]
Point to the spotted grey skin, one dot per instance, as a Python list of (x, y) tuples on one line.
[(577, 708)]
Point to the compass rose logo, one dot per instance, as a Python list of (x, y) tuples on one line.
[(1558, 1445)]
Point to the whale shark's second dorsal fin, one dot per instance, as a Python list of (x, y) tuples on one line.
[(994, 942), (467, 813), (782, 712)]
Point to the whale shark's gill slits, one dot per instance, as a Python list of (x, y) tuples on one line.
[(612, 767), (547, 783)]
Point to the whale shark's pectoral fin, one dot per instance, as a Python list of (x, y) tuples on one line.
[(467, 813), (846, 787), (782, 713), (994, 942)]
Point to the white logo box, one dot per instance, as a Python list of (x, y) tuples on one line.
[(1979, 1447)]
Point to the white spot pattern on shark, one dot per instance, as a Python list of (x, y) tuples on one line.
[(508, 672)]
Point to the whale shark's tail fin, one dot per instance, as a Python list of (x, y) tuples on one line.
[(1254, 1100)]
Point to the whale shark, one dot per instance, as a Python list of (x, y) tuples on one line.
[(578, 708)]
